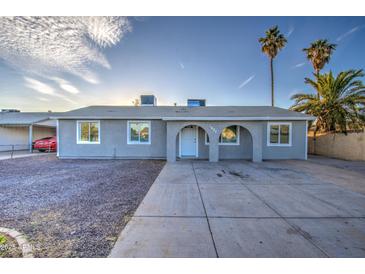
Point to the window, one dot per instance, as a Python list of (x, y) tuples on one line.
[(88, 132), (279, 134), (139, 132), (229, 136)]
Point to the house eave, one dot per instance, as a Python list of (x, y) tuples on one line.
[(267, 118)]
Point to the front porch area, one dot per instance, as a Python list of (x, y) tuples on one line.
[(214, 140)]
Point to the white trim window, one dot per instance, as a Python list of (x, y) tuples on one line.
[(279, 134), (229, 136), (88, 132), (139, 132)]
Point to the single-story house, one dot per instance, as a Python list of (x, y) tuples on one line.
[(177, 132), (19, 129)]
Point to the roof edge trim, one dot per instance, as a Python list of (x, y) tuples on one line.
[(269, 118)]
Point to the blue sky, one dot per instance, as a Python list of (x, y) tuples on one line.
[(112, 61)]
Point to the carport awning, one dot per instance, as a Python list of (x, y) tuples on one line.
[(22, 119), (21, 122)]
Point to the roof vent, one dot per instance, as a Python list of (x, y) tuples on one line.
[(10, 110), (196, 102), (148, 100)]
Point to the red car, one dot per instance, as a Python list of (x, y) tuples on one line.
[(48, 144)]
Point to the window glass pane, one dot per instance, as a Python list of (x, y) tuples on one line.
[(94, 132), (284, 134), (84, 131), (144, 133), (229, 135), (133, 136), (274, 134)]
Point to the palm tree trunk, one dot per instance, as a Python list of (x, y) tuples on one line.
[(317, 75), (272, 80), (315, 138)]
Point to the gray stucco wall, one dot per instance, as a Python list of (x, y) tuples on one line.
[(113, 136), (241, 151), (113, 141), (296, 151)]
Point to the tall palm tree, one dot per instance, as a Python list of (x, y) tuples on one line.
[(271, 44), (340, 104), (319, 53)]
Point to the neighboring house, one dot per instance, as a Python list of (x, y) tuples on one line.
[(171, 132), (19, 129)]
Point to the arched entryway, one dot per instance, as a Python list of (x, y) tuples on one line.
[(235, 142), (210, 150), (190, 143)]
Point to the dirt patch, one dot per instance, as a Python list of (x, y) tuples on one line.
[(9, 247), (72, 208)]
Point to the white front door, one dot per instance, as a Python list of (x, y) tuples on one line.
[(188, 141)]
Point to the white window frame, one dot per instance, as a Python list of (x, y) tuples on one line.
[(226, 144), (269, 124), (129, 142), (78, 128)]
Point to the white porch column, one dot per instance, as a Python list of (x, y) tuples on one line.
[(30, 138)]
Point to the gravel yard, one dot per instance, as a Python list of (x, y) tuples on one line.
[(72, 208)]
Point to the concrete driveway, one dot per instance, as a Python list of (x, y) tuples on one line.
[(245, 209)]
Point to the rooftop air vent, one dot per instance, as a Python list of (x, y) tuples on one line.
[(148, 100), (196, 102)]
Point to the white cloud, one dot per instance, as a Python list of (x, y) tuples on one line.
[(244, 83), (181, 65), (44, 89), (65, 85), (299, 65), (291, 30), (344, 35), (38, 86), (42, 45), (43, 99)]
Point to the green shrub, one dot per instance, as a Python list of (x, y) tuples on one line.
[(3, 239)]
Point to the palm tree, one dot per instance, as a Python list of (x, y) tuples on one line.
[(271, 44), (319, 53), (339, 104)]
